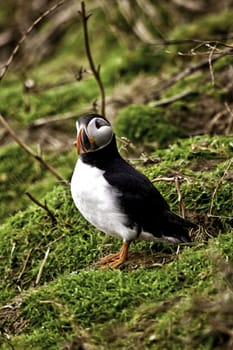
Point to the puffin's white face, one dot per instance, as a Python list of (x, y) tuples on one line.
[(93, 133)]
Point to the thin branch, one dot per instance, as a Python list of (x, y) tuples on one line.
[(42, 266), (55, 240), (215, 120), (230, 122), (217, 186), (188, 71), (45, 259), (24, 265), (215, 40), (219, 216), (13, 249), (95, 71), (58, 117), (24, 36), (27, 149), (169, 179), (43, 206), (53, 119), (211, 66), (180, 198), (174, 98)]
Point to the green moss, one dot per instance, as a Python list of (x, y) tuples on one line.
[(143, 124), (20, 173), (17, 171), (141, 60), (25, 108), (72, 293), (204, 27)]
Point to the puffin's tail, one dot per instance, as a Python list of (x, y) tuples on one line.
[(176, 229)]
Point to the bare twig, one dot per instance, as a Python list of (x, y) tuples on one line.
[(58, 305), (220, 216), (55, 240), (174, 98), (215, 40), (28, 31), (180, 198), (43, 206), (215, 120), (217, 186), (27, 149), (13, 249), (24, 265), (58, 117), (95, 71), (210, 64), (190, 70), (169, 179), (53, 119), (42, 266), (230, 122)]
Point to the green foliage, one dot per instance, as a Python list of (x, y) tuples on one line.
[(17, 171), (26, 107), (20, 173), (195, 159), (73, 293), (143, 124), (213, 25), (141, 60)]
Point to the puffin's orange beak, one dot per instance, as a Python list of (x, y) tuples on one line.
[(83, 143), (79, 141)]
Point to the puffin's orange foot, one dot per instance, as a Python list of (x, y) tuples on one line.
[(109, 258), (115, 260)]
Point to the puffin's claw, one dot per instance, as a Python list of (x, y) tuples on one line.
[(116, 259)]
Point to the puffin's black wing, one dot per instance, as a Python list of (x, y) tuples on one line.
[(143, 204)]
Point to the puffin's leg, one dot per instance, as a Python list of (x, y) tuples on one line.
[(115, 260)]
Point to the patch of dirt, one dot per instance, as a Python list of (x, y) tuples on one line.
[(141, 259), (204, 164), (10, 320)]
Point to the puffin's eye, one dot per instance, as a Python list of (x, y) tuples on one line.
[(98, 124)]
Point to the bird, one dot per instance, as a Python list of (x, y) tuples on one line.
[(115, 197)]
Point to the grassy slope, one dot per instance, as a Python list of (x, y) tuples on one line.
[(159, 300)]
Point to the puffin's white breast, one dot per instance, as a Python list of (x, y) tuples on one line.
[(98, 201)]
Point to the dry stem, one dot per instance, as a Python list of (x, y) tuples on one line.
[(190, 70), (95, 71), (210, 64), (230, 122), (24, 265), (180, 198), (28, 31), (43, 206), (27, 149), (217, 186), (42, 265), (174, 98)]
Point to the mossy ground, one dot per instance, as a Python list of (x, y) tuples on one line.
[(52, 293), (152, 301)]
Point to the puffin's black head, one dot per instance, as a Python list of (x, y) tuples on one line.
[(94, 132)]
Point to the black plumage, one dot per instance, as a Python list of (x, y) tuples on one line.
[(143, 204), (115, 197)]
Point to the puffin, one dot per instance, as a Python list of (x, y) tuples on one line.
[(115, 197)]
